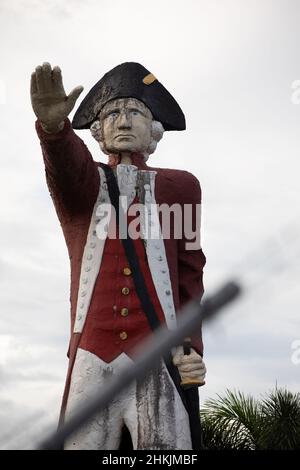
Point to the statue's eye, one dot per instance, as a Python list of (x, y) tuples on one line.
[(135, 113), (113, 114)]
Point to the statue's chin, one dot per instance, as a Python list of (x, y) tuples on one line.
[(123, 147), (119, 149)]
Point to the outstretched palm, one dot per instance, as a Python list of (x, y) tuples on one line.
[(50, 103)]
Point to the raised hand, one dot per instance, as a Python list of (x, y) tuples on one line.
[(49, 101)]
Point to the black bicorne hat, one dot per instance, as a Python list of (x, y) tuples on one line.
[(130, 80)]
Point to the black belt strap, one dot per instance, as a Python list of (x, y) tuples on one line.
[(142, 292)]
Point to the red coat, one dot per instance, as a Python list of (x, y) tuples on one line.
[(115, 322), (73, 180)]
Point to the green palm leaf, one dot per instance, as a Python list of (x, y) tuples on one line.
[(281, 420), (238, 422), (231, 421)]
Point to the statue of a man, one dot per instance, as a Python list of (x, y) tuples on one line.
[(127, 111)]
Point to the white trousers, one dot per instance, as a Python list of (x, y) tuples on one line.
[(152, 410)]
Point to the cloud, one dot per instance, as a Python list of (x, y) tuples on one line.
[(22, 428)]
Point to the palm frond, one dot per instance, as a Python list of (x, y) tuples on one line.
[(232, 419), (281, 420), (239, 422)]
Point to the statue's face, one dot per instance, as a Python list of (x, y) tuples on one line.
[(126, 125)]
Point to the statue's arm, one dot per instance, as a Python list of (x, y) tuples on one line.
[(191, 259), (71, 173)]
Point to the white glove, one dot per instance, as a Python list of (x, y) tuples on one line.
[(190, 366)]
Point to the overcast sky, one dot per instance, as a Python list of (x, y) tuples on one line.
[(231, 65)]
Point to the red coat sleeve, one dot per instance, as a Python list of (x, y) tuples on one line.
[(71, 173), (191, 259)]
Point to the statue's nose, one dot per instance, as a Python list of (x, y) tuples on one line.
[(124, 121)]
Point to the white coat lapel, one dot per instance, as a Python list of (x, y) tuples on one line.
[(92, 257)]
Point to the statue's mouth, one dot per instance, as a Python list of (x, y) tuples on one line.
[(124, 135)]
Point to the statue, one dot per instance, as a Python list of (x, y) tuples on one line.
[(127, 111)]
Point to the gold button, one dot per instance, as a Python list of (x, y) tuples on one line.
[(124, 312), (123, 335), (127, 271), (125, 290)]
